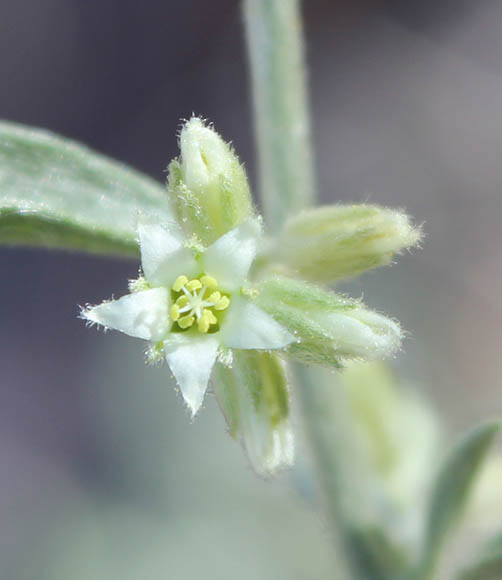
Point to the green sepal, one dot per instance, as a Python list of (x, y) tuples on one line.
[(299, 294), (226, 385), (189, 211), (289, 301), (315, 353), (59, 194)]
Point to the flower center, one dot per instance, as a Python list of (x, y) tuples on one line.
[(197, 300)]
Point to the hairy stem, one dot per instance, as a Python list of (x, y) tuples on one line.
[(282, 124), (282, 128)]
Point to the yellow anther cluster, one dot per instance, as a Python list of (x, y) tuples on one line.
[(179, 283), (197, 300)]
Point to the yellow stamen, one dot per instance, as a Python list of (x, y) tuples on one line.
[(222, 303), (209, 281), (215, 296), (179, 283), (186, 321), (195, 306), (203, 323), (175, 312), (210, 316), (182, 301), (193, 285)]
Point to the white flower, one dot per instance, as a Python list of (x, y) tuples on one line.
[(191, 303), (202, 312)]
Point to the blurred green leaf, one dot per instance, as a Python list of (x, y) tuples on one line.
[(488, 568), (494, 546), (57, 193), (451, 490), (375, 556), (489, 563)]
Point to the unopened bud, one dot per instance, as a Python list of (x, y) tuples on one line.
[(208, 184), (253, 394), (329, 328), (330, 243)]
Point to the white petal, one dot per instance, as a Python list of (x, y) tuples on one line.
[(191, 358), (246, 326), (230, 257), (163, 254), (142, 314)]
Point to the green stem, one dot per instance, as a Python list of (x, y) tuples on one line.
[(363, 549), (323, 430), (282, 128), (282, 124)]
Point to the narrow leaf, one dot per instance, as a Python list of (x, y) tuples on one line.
[(489, 562), (493, 547), (451, 489), (375, 555), (57, 193), (489, 568)]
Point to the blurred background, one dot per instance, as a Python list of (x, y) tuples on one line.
[(102, 474)]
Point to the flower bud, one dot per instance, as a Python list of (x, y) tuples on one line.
[(382, 408), (330, 328), (208, 184), (330, 243), (392, 436), (253, 394)]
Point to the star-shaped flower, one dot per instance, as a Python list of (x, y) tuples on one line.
[(192, 304)]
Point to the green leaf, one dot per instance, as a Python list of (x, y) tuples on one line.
[(59, 194), (494, 546), (489, 568), (375, 556), (489, 563), (451, 490)]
